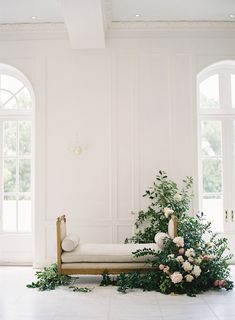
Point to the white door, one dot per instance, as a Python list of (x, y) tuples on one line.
[(16, 168)]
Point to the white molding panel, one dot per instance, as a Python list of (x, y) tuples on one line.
[(131, 106)]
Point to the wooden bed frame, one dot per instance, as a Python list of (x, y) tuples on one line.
[(95, 270)]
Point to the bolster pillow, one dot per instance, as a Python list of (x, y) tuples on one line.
[(159, 239), (70, 242)]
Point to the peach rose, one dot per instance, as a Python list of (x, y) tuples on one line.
[(166, 270), (180, 259), (216, 283), (221, 283), (176, 277), (179, 241), (181, 251), (161, 266), (189, 278), (187, 266)]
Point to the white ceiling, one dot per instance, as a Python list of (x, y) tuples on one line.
[(162, 10), (21, 11)]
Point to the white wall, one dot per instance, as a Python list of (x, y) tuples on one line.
[(132, 105)]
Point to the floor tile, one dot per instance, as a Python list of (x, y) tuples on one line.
[(104, 303)]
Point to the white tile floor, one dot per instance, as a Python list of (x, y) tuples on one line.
[(20, 303)]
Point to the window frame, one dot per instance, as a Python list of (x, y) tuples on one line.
[(226, 115), (18, 115)]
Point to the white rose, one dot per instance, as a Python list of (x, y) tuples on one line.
[(187, 266), (198, 261), (168, 212), (177, 197), (212, 256), (176, 277), (196, 271), (190, 253), (180, 259), (209, 244), (189, 278), (179, 241)]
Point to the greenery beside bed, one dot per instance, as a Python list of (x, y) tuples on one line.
[(193, 262)]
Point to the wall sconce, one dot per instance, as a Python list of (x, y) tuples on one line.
[(76, 149)]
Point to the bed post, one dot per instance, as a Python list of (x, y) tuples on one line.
[(59, 250), (175, 224), (172, 227)]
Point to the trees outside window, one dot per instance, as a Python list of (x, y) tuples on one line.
[(16, 151)]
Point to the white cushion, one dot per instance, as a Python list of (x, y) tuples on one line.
[(107, 253), (70, 242), (159, 239)]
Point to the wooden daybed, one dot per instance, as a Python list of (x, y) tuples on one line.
[(97, 258)]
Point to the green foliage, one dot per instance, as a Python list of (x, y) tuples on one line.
[(80, 289), (106, 280), (48, 279), (164, 193)]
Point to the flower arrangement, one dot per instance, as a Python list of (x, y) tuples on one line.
[(192, 262)]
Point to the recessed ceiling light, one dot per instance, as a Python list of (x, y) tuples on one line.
[(232, 16), (33, 17), (137, 15)]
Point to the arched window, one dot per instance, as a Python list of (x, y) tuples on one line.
[(216, 107), (16, 150)]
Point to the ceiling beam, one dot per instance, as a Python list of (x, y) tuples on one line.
[(84, 20)]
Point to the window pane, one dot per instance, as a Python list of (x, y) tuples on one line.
[(11, 83), (24, 99), (211, 138), (233, 89), (209, 92), (24, 175), (212, 176), (4, 97), (10, 104), (24, 214), (24, 137), (10, 136), (213, 210), (9, 214), (10, 175)]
